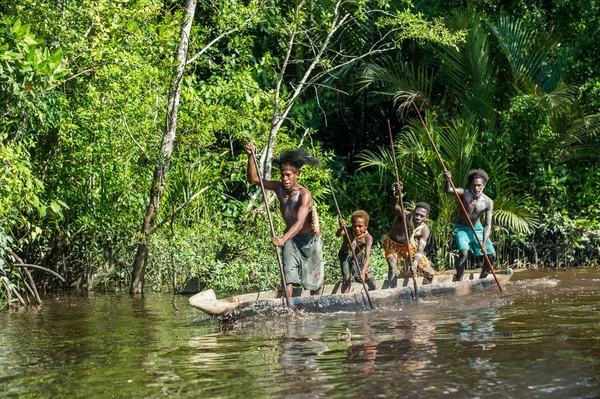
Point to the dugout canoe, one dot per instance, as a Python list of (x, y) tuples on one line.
[(330, 299)]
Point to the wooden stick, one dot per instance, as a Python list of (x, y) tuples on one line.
[(410, 258), (14, 290), (25, 265), (264, 192), (28, 292), (351, 249), (462, 206), (32, 286)]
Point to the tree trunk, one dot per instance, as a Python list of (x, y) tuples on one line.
[(168, 140)]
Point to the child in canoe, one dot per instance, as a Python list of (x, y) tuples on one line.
[(359, 240)]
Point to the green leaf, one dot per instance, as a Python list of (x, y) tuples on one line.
[(55, 207), (17, 26)]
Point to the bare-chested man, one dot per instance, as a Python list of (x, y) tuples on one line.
[(394, 243), (302, 250), (476, 203)]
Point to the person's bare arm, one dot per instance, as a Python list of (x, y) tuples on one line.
[(368, 245), (448, 187), (342, 230), (421, 247), (395, 202), (488, 222), (252, 173), (303, 211)]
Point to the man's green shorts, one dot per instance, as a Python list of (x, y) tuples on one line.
[(465, 239)]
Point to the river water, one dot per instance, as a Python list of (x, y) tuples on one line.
[(540, 339)]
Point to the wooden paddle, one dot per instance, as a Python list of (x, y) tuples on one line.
[(401, 202), (264, 193), (462, 206), (351, 249)]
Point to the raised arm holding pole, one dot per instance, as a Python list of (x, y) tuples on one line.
[(451, 189), (301, 242), (403, 212), (253, 175)]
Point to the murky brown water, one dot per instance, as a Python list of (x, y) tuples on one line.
[(541, 339)]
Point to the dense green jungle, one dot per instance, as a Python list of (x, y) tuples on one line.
[(123, 125)]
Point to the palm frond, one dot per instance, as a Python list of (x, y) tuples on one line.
[(382, 160), (470, 72), (560, 99), (529, 53), (457, 144), (409, 83), (511, 213), (582, 129)]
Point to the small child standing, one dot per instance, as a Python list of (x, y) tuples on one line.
[(361, 242)]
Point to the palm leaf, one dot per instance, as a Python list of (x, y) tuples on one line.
[(511, 211), (513, 214), (457, 144), (382, 160), (560, 99), (529, 53), (581, 129), (470, 72), (408, 83)]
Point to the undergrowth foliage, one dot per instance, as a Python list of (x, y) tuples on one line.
[(238, 259)]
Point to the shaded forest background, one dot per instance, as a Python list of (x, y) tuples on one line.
[(512, 87)]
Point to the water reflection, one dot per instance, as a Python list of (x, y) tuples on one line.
[(302, 347), (478, 329), (483, 345), (364, 352)]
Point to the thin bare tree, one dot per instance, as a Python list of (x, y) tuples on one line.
[(168, 139), (324, 52), (166, 150)]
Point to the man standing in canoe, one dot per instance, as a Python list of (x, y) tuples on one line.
[(395, 242), (476, 204), (301, 242)]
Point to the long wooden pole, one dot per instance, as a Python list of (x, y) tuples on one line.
[(281, 271), (337, 208), (401, 202), (462, 206)]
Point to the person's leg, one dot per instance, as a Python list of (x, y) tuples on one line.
[(346, 283), (310, 262), (392, 261), (371, 283), (490, 251), (463, 241), (460, 263), (345, 269), (291, 266), (485, 269)]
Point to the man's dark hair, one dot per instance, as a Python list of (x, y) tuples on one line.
[(423, 205), (478, 174), (295, 158), (361, 214)]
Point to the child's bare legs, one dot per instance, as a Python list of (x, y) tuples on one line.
[(346, 283)]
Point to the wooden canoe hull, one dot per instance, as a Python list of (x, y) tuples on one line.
[(270, 303)]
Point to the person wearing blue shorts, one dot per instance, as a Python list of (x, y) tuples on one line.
[(476, 204)]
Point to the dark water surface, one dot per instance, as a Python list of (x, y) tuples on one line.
[(541, 339)]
